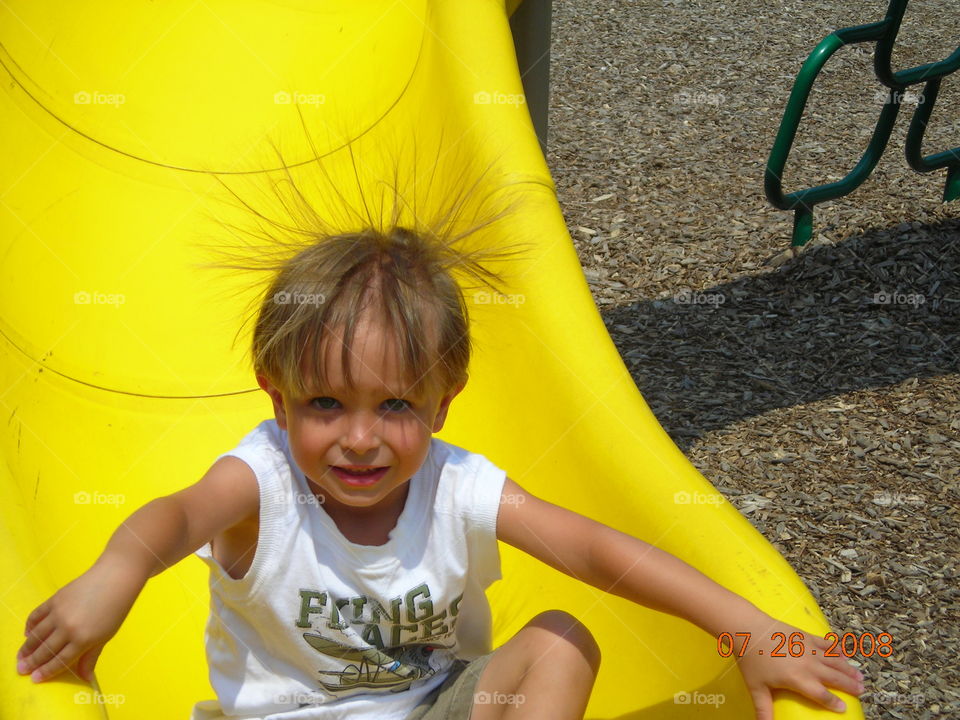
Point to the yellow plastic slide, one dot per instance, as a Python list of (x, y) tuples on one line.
[(120, 376)]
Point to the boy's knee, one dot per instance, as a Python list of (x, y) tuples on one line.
[(564, 625)]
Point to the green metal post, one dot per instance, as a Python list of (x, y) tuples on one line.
[(884, 35)]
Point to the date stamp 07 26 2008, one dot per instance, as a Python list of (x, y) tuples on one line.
[(848, 645)]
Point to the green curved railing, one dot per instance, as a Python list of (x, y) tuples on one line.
[(884, 34)]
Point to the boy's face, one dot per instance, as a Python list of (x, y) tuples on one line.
[(361, 446)]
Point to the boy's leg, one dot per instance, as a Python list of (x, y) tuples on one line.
[(545, 671)]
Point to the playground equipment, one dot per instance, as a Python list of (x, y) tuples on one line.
[(121, 381), (884, 34)]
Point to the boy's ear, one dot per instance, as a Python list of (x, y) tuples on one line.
[(445, 405), (276, 397)]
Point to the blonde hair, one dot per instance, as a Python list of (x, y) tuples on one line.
[(403, 278), (410, 275)]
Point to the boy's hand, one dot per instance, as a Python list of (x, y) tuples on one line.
[(808, 674), (78, 620)]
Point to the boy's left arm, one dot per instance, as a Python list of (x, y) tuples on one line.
[(631, 568)]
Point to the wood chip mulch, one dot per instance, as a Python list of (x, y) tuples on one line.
[(819, 390)]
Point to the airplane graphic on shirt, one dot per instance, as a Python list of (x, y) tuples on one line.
[(393, 668)]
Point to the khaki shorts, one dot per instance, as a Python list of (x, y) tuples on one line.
[(454, 698)]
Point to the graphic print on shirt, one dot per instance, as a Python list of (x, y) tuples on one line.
[(395, 647), (393, 668)]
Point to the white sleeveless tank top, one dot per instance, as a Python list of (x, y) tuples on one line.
[(322, 628)]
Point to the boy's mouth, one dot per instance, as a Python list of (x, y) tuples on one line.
[(359, 475)]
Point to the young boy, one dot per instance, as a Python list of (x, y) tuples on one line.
[(349, 549)]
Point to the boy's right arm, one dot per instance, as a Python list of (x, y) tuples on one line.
[(77, 621)]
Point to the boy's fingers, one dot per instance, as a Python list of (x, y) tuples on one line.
[(37, 636), (818, 693), (48, 648), (36, 616), (845, 666), (848, 672), (762, 702), (841, 681), (55, 665)]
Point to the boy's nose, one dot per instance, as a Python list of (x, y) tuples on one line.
[(361, 434)]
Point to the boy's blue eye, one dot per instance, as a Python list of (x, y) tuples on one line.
[(324, 403), (329, 403)]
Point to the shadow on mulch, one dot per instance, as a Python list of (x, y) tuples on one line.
[(867, 312)]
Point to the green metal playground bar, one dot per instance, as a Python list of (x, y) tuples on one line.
[(884, 34)]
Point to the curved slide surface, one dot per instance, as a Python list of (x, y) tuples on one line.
[(120, 378)]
